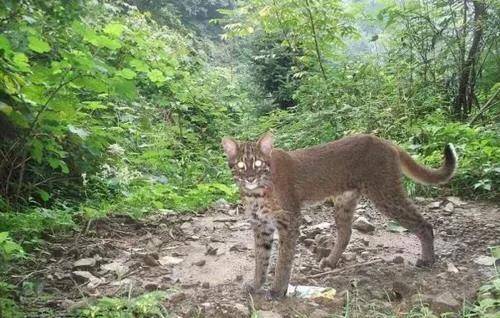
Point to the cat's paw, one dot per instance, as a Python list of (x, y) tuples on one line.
[(250, 288), (271, 295), (325, 263), (424, 263)]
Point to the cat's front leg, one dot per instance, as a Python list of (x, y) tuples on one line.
[(263, 235), (288, 229)]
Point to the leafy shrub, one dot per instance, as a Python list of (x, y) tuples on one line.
[(146, 306)]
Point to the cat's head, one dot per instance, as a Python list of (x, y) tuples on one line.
[(250, 161)]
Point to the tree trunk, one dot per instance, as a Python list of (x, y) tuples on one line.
[(465, 95)]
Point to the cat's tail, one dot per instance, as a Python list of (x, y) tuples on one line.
[(422, 174)]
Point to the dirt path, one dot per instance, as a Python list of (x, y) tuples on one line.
[(205, 259)]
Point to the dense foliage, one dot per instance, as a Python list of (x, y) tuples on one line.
[(119, 106), (389, 68)]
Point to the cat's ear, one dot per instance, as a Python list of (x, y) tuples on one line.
[(230, 147), (266, 144)]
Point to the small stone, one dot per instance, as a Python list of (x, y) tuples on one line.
[(365, 241), (365, 253), (401, 289), (363, 225), (206, 305), (211, 250), (115, 267), (456, 201), (177, 297), (85, 263), (170, 260), (321, 226), (268, 314), (449, 207), (239, 278), (318, 313), (205, 285), (398, 260), (485, 260), (150, 260), (349, 256), (242, 309), (200, 263), (83, 276), (87, 277), (445, 302), (238, 248), (151, 286), (307, 219), (434, 205), (308, 242), (451, 268), (221, 205)]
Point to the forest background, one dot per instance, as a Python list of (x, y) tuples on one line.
[(119, 106)]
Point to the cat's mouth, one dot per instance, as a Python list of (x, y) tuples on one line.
[(251, 186)]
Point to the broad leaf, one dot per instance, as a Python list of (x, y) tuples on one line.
[(38, 45), (126, 73), (115, 29)]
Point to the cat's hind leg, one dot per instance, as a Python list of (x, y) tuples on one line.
[(345, 204), (393, 202)]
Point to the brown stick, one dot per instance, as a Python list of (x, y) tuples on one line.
[(338, 270)]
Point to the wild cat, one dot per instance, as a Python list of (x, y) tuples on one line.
[(275, 184)]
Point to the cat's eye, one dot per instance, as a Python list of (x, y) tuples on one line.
[(241, 165), (258, 163)]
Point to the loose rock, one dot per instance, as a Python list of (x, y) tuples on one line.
[(363, 225), (170, 260), (318, 313), (242, 309), (85, 263), (485, 260), (451, 268), (398, 260), (151, 286), (307, 219), (268, 314), (177, 297), (200, 263), (445, 302)]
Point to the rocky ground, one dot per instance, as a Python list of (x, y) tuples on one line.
[(203, 260)]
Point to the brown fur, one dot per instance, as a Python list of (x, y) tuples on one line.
[(277, 188)]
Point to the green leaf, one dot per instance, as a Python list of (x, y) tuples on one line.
[(3, 236), (495, 252), (140, 66), (10, 85), (114, 28), (5, 44), (21, 61), (157, 76), (93, 105), (102, 41), (35, 93), (37, 150), (126, 73), (43, 195), (4, 108), (123, 87), (80, 132), (38, 45)]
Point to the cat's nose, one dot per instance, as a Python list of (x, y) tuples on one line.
[(251, 180)]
